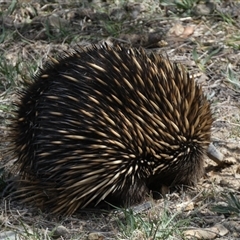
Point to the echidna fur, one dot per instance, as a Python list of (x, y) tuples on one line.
[(108, 123)]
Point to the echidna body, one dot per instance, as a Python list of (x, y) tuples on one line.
[(108, 123)]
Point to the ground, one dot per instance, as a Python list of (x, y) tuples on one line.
[(202, 35)]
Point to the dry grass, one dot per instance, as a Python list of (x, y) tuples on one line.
[(207, 43)]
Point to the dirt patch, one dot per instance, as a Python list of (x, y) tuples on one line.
[(203, 36)]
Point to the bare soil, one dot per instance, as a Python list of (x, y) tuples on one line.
[(205, 38)]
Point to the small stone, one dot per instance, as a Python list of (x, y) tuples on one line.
[(95, 236), (222, 231), (204, 9), (206, 233), (10, 235), (60, 231)]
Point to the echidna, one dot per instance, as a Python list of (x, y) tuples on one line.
[(108, 123)]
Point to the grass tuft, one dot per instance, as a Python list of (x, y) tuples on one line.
[(152, 225), (231, 206)]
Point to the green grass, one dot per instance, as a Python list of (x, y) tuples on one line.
[(181, 7), (234, 42), (6, 33), (10, 8), (233, 78), (155, 224), (204, 59), (8, 74), (231, 207), (227, 18), (185, 5)]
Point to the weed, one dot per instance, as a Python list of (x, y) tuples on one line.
[(204, 59), (164, 225), (113, 28), (232, 205), (227, 18), (232, 77)]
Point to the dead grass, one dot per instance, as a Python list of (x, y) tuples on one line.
[(208, 44)]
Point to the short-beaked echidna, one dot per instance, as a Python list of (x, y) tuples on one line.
[(108, 123)]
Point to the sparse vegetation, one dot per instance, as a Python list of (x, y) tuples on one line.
[(231, 207), (154, 225), (203, 37), (185, 5)]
